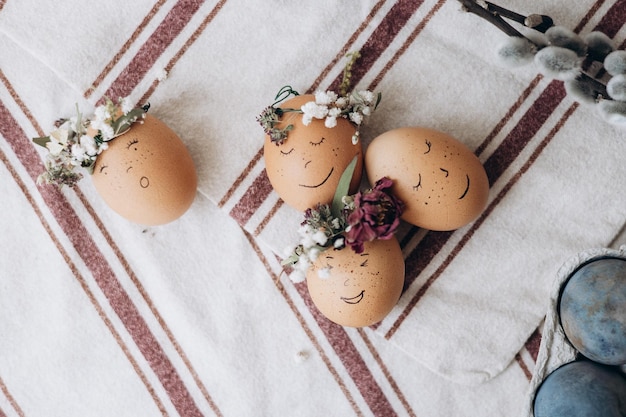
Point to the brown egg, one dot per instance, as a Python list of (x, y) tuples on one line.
[(305, 169), (357, 289), (147, 175), (442, 183)]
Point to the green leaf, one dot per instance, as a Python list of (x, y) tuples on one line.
[(123, 123), (343, 188), (42, 141)]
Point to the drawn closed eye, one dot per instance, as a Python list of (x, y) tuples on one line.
[(102, 168), (286, 153), (131, 143), (429, 144), (364, 263), (419, 183), (322, 140)]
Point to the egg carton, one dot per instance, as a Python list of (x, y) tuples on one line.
[(555, 350)]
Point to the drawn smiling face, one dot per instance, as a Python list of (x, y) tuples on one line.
[(146, 175), (306, 168), (442, 183), (357, 289)]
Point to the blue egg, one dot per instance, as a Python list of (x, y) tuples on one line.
[(582, 389), (593, 310)]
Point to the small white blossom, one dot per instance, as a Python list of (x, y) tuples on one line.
[(367, 96), (78, 152), (330, 122), (89, 145), (325, 97), (324, 273), (103, 147), (334, 112), (101, 114), (314, 253), (341, 102), (356, 118), (297, 276), (107, 132), (339, 243), (312, 110), (320, 238)]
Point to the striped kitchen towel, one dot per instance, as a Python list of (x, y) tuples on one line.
[(472, 296)]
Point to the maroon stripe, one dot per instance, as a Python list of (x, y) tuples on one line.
[(524, 131), (151, 50), (389, 27), (254, 196), (613, 20), (351, 359), (533, 344), (102, 272), (422, 254), (380, 39)]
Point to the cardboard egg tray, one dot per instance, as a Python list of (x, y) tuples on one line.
[(555, 350)]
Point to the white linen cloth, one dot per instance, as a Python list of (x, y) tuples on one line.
[(210, 297)]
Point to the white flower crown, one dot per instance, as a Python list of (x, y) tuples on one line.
[(78, 141)]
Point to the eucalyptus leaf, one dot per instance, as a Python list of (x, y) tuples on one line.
[(123, 123), (343, 188), (42, 141)]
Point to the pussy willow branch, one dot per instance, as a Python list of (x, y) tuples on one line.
[(494, 14)]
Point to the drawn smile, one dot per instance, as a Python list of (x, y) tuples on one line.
[(354, 300), (321, 183), (466, 188)]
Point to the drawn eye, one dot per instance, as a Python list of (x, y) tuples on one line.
[(429, 144), (102, 168), (131, 143), (364, 263), (419, 183), (286, 153), (319, 142)]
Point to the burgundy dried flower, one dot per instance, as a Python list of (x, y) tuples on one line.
[(376, 215)]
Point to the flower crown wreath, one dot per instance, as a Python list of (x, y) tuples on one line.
[(78, 141), (351, 220), (559, 53), (328, 106)]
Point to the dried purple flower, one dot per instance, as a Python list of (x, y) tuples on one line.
[(376, 215)]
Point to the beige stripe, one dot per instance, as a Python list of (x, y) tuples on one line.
[(303, 325), (82, 282), (124, 48), (386, 372)]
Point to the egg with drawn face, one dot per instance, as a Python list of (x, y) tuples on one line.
[(357, 289), (441, 182), (147, 174), (305, 169)]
